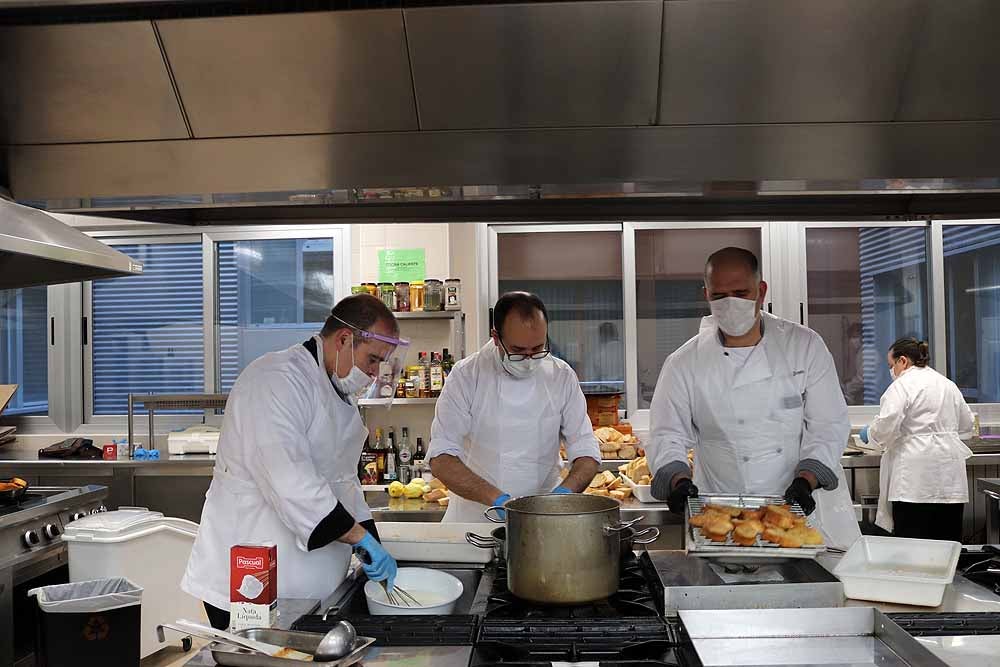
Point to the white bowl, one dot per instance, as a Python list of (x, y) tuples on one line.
[(437, 591)]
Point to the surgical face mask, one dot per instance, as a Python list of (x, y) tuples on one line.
[(521, 369), (357, 380), (735, 316)]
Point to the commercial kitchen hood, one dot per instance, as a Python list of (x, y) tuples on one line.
[(37, 249), (193, 99)]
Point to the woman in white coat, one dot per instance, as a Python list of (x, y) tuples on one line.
[(286, 470), (921, 421)]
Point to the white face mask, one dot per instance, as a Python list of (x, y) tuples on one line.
[(357, 380), (521, 369), (735, 316)]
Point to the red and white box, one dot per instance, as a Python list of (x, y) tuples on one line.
[(253, 586)]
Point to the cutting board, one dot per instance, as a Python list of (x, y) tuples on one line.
[(6, 392)]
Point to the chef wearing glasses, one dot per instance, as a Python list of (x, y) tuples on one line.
[(502, 414)]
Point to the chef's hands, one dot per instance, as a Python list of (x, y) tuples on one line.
[(863, 435), (376, 561), (561, 489), (800, 491), (683, 489)]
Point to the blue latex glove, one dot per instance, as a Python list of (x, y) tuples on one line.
[(864, 434), (376, 561), (140, 454), (561, 489), (153, 454), (501, 499)]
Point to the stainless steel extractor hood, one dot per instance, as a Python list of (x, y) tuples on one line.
[(37, 249)]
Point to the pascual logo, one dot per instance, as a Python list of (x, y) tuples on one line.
[(243, 562)]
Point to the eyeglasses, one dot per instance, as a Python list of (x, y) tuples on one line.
[(541, 354)]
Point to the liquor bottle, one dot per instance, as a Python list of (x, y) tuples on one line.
[(368, 464), (437, 376), (418, 456), (447, 363), (380, 457), (391, 459), (422, 375), (425, 361), (405, 453)]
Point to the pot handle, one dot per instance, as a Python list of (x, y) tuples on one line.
[(619, 527), (647, 536), (497, 518), (480, 541)]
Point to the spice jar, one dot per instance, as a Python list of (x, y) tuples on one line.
[(403, 297), (359, 289), (372, 289), (416, 296), (433, 295), (453, 294), (387, 292)]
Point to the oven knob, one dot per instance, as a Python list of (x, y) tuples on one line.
[(78, 515), (51, 531), (31, 539)]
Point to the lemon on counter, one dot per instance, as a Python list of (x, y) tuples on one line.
[(414, 489), (396, 490)]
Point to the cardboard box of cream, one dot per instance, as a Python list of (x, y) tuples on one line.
[(253, 586)]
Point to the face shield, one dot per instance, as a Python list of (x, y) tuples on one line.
[(385, 358)]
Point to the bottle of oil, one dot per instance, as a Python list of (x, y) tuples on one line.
[(437, 376)]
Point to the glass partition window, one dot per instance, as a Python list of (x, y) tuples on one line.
[(972, 305), (866, 287), (272, 294), (24, 359), (148, 332), (670, 301), (579, 277)]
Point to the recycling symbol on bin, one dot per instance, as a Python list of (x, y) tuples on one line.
[(96, 629)]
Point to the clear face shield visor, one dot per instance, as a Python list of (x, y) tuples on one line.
[(390, 366)]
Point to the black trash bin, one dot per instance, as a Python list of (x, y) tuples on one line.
[(88, 623)]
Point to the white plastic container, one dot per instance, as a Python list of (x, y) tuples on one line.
[(898, 570), (431, 542), (146, 548), (198, 439), (437, 590), (642, 492)]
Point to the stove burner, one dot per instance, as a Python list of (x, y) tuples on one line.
[(634, 597), (27, 501)]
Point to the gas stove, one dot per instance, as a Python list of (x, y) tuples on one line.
[(625, 630)]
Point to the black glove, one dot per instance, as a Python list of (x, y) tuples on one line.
[(678, 497), (800, 491)]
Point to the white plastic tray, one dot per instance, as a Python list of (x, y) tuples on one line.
[(898, 570), (432, 542)]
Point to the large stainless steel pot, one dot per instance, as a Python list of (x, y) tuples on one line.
[(562, 548)]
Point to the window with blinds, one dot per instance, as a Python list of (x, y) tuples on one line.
[(148, 331), (24, 359), (272, 294)]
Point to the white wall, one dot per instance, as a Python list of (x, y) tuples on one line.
[(368, 238)]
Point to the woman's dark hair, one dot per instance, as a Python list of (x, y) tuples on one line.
[(915, 350)]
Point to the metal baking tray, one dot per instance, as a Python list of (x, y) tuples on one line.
[(300, 641), (699, 545), (841, 636)]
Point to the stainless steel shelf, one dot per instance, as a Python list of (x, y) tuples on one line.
[(376, 403), (429, 315)]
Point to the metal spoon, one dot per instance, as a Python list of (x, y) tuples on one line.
[(336, 643)]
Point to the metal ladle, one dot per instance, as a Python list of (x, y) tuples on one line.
[(336, 643)]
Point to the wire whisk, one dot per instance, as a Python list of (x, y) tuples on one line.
[(399, 596)]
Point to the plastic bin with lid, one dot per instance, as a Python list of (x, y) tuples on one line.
[(147, 548)]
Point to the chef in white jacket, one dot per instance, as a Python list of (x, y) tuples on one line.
[(286, 470), (921, 421), (500, 417), (758, 399)]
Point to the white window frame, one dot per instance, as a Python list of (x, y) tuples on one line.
[(989, 413), (640, 418), (339, 233), (861, 415)]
